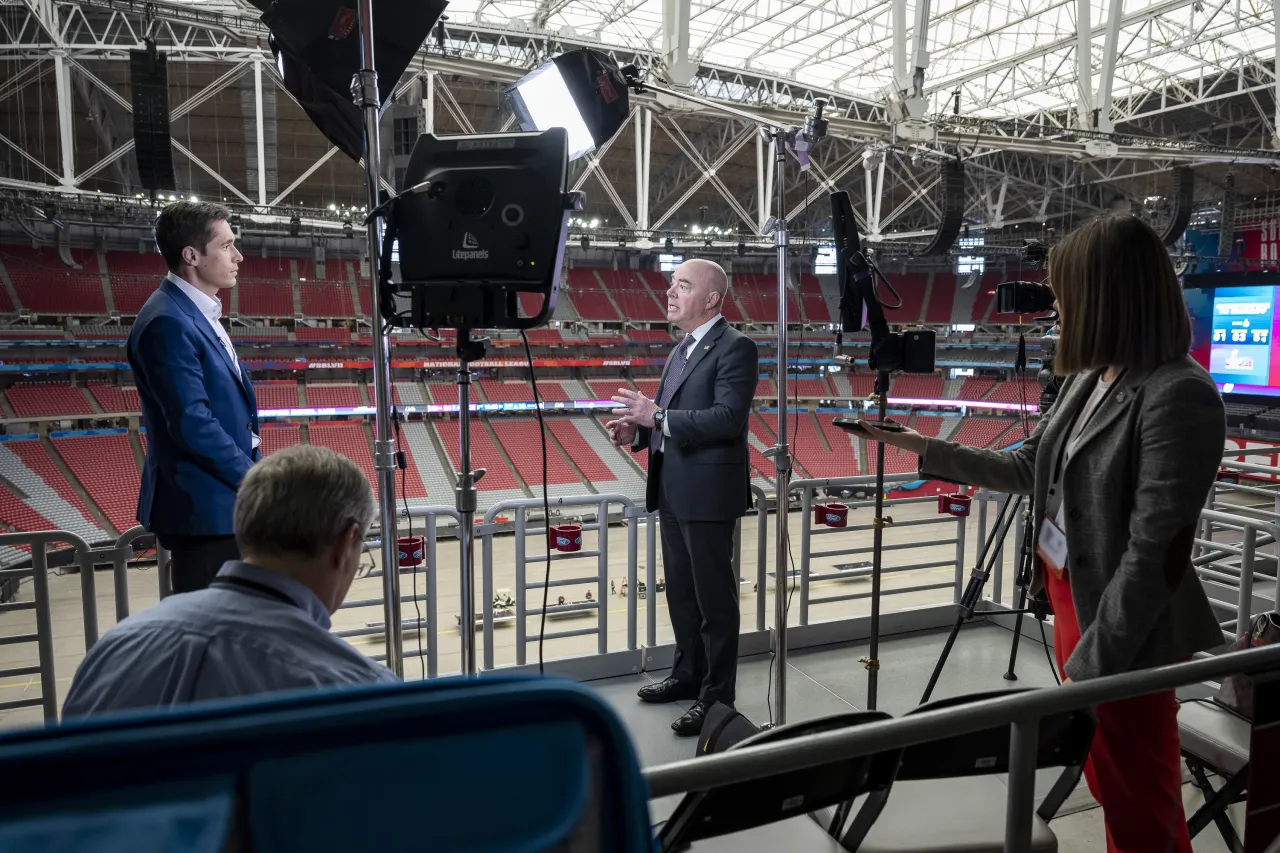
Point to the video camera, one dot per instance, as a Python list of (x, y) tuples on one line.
[(1034, 297), (1024, 297)]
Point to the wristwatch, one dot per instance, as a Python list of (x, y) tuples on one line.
[(659, 416)]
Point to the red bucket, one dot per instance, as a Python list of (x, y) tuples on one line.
[(412, 550), (565, 537), (831, 515), (957, 505)]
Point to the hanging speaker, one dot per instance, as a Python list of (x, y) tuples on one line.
[(1226, 235), (951, 202), (149, 73), (1184, 182)]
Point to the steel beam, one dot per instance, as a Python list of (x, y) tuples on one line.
[(1107, 73), (1084, 64), (675, 42), (1275, 26), (311, 170), (260, 121), (213, 173), (66, 110)]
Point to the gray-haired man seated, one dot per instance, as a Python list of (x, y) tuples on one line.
[(263, 624)]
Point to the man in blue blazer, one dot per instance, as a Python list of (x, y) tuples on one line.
[(197, 402)]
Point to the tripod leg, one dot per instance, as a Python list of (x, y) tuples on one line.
[(973, 592), (1020, 603), (1022, 582), (942, 659)]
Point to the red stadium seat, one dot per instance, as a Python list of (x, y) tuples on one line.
[(484, 454), (589, 296), (522, 440), (47, 399), (582, 453), (115, 400), (45, 285), (106, 468), (334, 396)]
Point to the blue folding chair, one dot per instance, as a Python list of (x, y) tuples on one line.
[(499, 765)]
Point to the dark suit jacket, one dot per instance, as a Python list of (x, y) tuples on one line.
[(705, 460), (1132, 495), (200, 418)]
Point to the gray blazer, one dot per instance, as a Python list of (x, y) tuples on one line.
[(1132, 495)]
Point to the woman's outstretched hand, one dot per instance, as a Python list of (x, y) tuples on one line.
[(907, 439)]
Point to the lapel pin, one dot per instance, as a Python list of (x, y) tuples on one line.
[(1120, 397), (708, 346)]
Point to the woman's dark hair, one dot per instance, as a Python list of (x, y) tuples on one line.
[(186, 223), (1119, 298)]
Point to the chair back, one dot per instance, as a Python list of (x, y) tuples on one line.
[(740, 806), (1064, 742), (491, 765)]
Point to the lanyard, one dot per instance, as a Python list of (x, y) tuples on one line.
[(245, 583)]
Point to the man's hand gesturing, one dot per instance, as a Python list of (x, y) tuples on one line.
[(634, 408)]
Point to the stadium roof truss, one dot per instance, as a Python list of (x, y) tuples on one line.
[(997, 82)]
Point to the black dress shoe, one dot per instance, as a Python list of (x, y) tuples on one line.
[(668, 690), (690, 724)]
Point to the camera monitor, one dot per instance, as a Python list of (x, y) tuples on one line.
[(483, 221)]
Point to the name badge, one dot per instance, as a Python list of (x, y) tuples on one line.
[(1051, 547)]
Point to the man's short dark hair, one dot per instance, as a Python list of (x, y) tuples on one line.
[(186, 223)]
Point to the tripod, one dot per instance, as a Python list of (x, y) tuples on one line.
[(465, 496), (1021, 583), (978, 579)]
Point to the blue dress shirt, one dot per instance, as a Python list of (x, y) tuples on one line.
[(257, 631)]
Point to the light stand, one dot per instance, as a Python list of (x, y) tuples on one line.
[(465, 497), (781, 136), (872, 660), (781, 452), (364, 91), (911, 351)]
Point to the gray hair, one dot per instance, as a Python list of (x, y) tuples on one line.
[(299, 501)]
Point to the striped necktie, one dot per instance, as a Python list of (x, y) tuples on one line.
[(679, 358)]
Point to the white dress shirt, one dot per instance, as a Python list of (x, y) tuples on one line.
[(211, 309), (698, 334)]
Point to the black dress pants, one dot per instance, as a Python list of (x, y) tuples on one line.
[(195, 560), (702, 597)]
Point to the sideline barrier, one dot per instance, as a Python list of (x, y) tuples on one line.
[(1022, 711)]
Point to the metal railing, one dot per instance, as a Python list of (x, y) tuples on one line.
[(523, 559), (427, 598), (42, 605), (1022, 712), (808, 530), (1239, 575)]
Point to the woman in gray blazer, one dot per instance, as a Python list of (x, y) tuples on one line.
[(1119, 469)]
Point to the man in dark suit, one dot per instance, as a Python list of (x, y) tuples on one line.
[(197, 402), (699, 482)]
